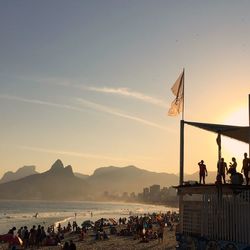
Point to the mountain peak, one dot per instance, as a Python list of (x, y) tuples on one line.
[(58, 165), (69, 170)]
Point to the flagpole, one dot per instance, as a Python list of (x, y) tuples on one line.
[(182, 137), (183, 93), (181, 181), (181, 152), (249, 119)]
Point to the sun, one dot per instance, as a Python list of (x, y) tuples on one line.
[(238, 117), (233, 148)]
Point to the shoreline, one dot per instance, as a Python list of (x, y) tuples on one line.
[(21, 213), (126, 235)]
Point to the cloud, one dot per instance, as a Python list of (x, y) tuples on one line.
[(71, 153), (125, 92), (131, 94), (39, 102), (111, 111), (90, 105), (80, 154)]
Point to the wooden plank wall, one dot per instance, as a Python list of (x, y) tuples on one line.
[(219, 217)]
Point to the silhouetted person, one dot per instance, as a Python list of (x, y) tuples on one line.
[(66, 246), (222, 168), (203, 171), (246, 167), (232, 167), (72, 245), (12, 230)]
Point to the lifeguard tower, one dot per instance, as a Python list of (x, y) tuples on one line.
[(214, 216)]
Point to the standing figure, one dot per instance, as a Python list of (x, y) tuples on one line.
[(246, 167), (222, 168), (232, 167), (203, 171)]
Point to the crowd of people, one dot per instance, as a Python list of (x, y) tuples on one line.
[(223, 170), (143, 228), (36, 237), (149, 227)]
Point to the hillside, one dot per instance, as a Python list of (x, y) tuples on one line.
[(128, 179), (58, 183), (20, 173)]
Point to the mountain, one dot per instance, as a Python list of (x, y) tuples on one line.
[(81, 176), (20, 173), (132, 179), (195, 177), (58, 183), (128, 179)]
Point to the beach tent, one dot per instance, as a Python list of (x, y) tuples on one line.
[(235, 132)]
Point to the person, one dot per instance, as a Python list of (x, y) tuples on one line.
[(12, 231), (246, 167), (203, 171), (69, 227), (222, 168), (232, 167), (160, 233), (66, 246), (32, 236), (72, 245)]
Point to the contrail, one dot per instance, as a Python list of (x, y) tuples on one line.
[(108, 110)]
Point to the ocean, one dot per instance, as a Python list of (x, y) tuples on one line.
[(46, 213)]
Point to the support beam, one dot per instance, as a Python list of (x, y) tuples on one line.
[(181, 152), (249, 119)]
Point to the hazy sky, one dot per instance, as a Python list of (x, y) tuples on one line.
[(89, 81)]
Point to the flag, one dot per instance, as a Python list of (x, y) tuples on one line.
[(178, 91)]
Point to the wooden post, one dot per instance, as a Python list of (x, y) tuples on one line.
[(181, 173), (181, 152), (249, 120)]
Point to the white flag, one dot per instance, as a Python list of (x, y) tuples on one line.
[(178, 91)]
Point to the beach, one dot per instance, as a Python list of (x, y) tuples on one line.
[(123, 242), (56, 216), (21, 213), (115, 242)]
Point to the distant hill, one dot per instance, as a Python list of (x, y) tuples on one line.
[(58, 183), (195, 177), (20, 173), (133, 179), (128, 179), (82, 176)]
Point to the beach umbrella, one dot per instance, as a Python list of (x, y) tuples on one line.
[(113, 222), (9, 238), (17, 241), (88, 223)]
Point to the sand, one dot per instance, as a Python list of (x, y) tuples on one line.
[(120, 242), (114, 242)]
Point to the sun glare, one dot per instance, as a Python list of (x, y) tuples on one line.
[(230, 147)]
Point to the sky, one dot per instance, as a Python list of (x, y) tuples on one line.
[(89, 82)]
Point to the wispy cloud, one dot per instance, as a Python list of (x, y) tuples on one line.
[(131, 94), (39, 102), (114, 112), (90, 105), (125, 92), (79, 154), (71, 153)]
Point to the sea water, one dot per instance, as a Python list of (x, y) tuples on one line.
[(46, 213)]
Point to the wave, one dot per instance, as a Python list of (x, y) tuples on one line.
[(20, 214)]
